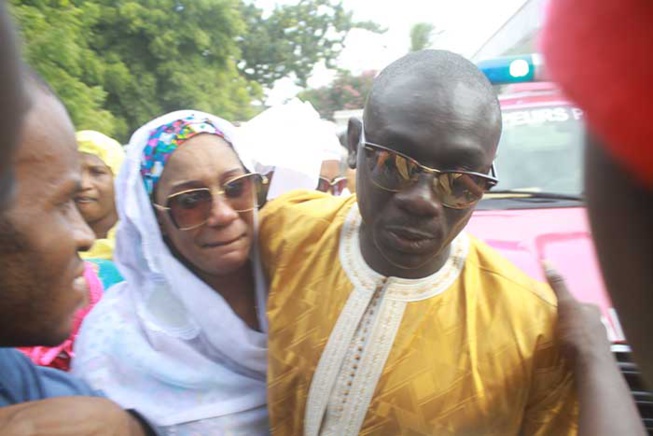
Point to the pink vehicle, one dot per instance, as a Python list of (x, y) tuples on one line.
[(537, 210)]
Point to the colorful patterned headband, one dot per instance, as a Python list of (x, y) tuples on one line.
[(164, 140)]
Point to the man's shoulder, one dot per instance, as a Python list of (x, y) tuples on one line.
[(302, 213), (505, 276), (313, 205), (22, 381)]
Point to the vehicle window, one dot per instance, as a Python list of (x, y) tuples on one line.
[(541, 150)]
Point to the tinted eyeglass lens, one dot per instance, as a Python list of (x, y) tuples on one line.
[(335, 187), (391, 171), (241, 193), (459, 190), (323, 185), (193, 208), (190, 208)]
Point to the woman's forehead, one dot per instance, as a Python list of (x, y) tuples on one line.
[(202, 157), (91, 159)]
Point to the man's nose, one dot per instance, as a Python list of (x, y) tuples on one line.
[(420, 199), (83, 235)]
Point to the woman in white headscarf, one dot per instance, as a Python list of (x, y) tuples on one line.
[(183, 339)]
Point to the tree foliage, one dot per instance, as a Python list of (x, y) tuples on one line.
[(421, 36), (118, 63), (163, 55), (346, 92), (56, 33), (293, 38)]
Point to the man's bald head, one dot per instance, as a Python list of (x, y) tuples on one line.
[(434, 90), (436, 67), (437, 108), (428, 84)]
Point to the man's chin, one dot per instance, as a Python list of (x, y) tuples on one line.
[(56, 334), (407, 262), (40, 339)]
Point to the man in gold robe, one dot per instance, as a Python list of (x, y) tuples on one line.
[(385, 317)]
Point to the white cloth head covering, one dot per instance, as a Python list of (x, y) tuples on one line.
[(164, 342), (327, 136), (293, 140)]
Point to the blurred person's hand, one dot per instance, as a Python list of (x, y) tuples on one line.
[(606, 406), (69, 416), (583, 337)]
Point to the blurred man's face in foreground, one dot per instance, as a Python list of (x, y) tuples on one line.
[(41, 282)]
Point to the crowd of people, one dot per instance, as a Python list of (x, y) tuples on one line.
[(182, 286)]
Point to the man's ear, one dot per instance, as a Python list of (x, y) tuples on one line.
[(354, 129)]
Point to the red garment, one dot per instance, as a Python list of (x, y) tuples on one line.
[(59, 357), (601, 54)]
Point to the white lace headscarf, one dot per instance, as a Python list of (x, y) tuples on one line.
[(164, 342)]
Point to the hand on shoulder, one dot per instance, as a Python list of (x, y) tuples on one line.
[(583, 337)]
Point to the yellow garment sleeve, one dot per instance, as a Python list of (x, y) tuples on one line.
[(293, 222), (552, 407), (274, 226)]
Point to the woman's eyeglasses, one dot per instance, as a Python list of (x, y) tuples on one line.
[(192, 208), (335, 186), (394, 172)]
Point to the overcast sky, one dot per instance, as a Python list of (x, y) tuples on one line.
[(466, 24)]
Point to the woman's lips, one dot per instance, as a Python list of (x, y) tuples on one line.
[(222, 243)]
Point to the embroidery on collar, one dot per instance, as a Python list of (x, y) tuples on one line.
[(364, 277)]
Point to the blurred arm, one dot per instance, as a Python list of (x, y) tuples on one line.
[(69, 416), (606, 406)]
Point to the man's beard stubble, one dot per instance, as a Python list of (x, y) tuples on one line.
[(23, 288)]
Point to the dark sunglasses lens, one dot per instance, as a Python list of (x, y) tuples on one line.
[(459, 190), (389, 170), (191, 208), (241, 193), (323, 185)]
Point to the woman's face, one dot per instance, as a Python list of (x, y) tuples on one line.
[(222, 244), (96, 199)]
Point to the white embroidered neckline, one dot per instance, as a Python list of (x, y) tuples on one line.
[(353, 359), (363, 276)]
